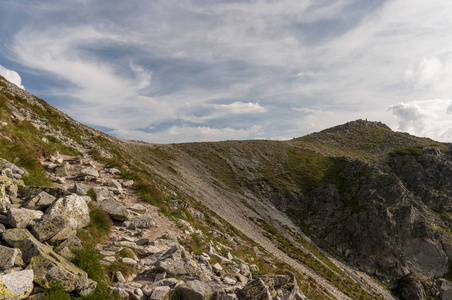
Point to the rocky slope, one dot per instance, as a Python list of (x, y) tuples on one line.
[(353, 212)]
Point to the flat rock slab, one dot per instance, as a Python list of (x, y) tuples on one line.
[(22, 217), (48, 227), (17, 285), (40, 201)]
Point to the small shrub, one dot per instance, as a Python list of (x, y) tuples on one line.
[(98, 228), (92, 194)]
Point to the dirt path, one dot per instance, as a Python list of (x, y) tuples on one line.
[(128, 197)]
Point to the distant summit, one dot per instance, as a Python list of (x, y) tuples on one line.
[(357, 125)]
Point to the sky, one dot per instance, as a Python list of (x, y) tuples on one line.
[(167, 71)]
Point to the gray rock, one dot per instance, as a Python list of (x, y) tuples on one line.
[(217, 268), (81, 188), (8, 257), (64, 234), (160, 293), (17, 285), (73, 209), (244, 269), (127, 183), (129, 261), (102, 193), (413, 290), (137, 208), (120, 277), (443, 289), (49, 226), (171, 282), (143, 221), (120, 292), (222, 260), (66, 253), (229, 280), (116, 210), (62, 170), (51, 267), (40, 201), (14, 169), (114, 171), (47, 265), (201, 290), (115, 186), (22, 217), (89, 172), (256, 290)]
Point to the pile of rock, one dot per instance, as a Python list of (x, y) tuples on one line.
[(168, 268), (32, 218)]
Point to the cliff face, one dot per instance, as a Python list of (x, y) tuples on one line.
[(344, 209)]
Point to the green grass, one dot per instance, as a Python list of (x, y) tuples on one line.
[(412, 151), (56, 292), (98, 229)]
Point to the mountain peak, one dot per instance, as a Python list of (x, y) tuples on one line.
[(357, 125)]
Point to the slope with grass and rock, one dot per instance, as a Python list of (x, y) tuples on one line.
[(356, 211)]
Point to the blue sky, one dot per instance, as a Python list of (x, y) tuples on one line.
[(181, 71)]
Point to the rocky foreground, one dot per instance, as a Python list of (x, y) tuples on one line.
[(39, 228)]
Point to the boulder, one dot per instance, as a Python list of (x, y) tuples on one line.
[(176, 261), (17, 285), (50, 267), (114, 171), (127, 183), (73, 209), (8, 180), (49, 226), (14, 169), (62, 170), (160, 293), (115, 186), (8, 257), (413, 289), (201, 290), (22, 217), (102, 193), (143, 221), (89, 172), (40, 201), (22, 239), (116, 210), (81, 189), (256, 290), (443, 289)]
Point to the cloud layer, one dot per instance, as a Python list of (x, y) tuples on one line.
[(192, 70)]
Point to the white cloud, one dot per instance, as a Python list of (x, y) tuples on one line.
[(431, 73), (429, 118), (11, 76), (224, 110), (241, 107), (189, 134)]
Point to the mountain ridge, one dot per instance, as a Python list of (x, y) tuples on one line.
[(348, 208)]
